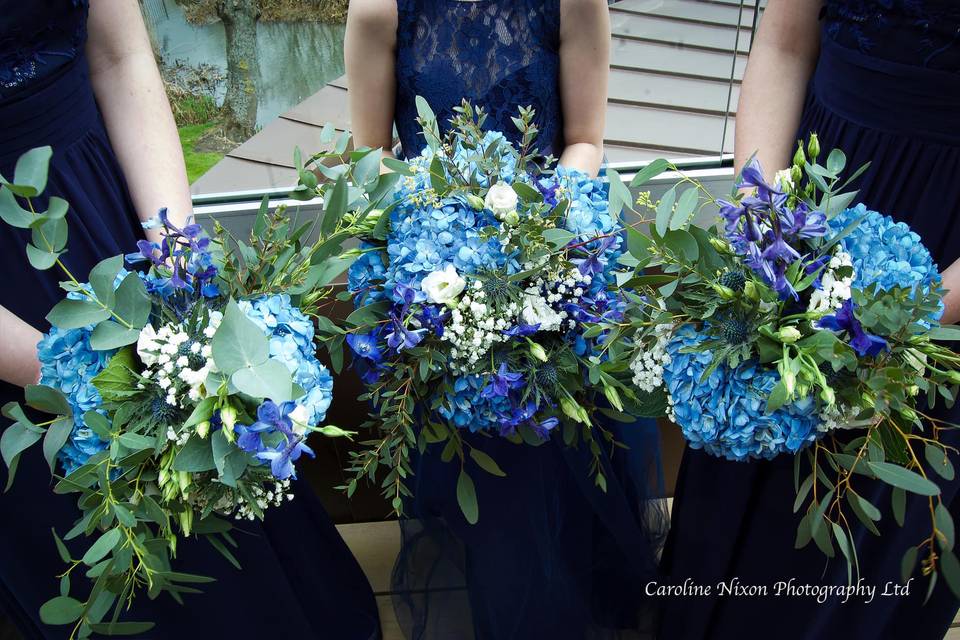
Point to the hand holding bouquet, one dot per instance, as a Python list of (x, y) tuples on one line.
[(474, 291), (180, 396), (802, 325)]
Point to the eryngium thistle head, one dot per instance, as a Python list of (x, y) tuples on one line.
[(733, 280), (734, 330), (547, 375)]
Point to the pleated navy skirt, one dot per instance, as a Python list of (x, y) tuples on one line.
[(299, 579), (735, 521)]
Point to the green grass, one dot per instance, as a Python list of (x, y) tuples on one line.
[(197, 163)]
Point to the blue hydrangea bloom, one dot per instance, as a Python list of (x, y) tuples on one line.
[(885, 252), (366, 275), (725, 414), (467, 408), (67, 363), (291, 342)]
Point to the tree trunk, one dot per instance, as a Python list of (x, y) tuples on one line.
[(239, 19)]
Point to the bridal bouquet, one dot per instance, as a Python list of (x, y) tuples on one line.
[(801, 324), (180, 396), (474, 289)]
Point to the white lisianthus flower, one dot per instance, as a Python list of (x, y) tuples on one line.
[(501, 199), (299, 418), (147, 346), (442, 287)]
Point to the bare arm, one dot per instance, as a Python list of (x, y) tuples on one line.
[(369, 51), (134, 104), (18, 353), (584, 72), (783, 57)]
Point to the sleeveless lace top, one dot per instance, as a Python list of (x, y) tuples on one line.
[(923, 33), (499, 54), (37, 37)]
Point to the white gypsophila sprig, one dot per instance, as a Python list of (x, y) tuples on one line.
[(475, 326), (836, 416), (264, 498), (648, 365), (833, 290)]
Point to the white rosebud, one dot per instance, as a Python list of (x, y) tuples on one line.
[(442, 287), (501, 199)]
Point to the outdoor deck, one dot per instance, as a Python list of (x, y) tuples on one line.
[(675, 73)]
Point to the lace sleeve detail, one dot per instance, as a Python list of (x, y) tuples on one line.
[(499, 54), (915, 32), (37, 38)]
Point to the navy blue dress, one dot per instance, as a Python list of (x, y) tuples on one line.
[(886, 89), (299, 579), (552, 556)]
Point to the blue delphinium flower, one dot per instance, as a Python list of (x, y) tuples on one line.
[(844, 320), (275, 420), (290, 335), (502, 382), (885, 252), (725, 415), (69, 364)]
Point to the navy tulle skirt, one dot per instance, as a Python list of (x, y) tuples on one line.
[(298, 579), (552, 556), (734, 521)]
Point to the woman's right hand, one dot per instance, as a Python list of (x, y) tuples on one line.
[(18, 350)]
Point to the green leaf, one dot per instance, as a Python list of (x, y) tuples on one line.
[(12, 213), (939, 461), (950, 568), (136, 442), (898, 501), (945, 333), (844, 543), (124, 515), (196, 456), (238, 342), (102, 547), (57, 434), (121, 628), (132, 302), (102, 277), (649, 172), (686, 206), (945, 528), (526, 193), (665, 211), (32, 169), (117, 380), (486, 463), (467, 498), (558, 238), (47, 399), (109, 335), (429, 122), (14, 440), (61, 548), (334, 206), (620, 195), (836, 161), (40, 259), (398, 166), (98, 423), (683, 244), (61, 610), (908, 563), (201, 412), (897, 476), (50, 234), (369, 314), (74, 314), (270, 379), (367, 168)]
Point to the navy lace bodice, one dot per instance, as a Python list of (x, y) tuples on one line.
[(915, 32), (499, 54), (37, 37)]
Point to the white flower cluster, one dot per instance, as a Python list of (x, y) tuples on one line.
[(475, 327), (168, 353), (648, 366), (545, 298), (837, 417), (833, 291), (264, 498)]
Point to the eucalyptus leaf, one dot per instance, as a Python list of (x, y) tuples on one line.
[(649, 172), (486, 463), (102, 547), (61, 610), (74, 314), (238, 342), (665, 211), (903, 478), (467, 498), (270, 379), (56, 436), (32, 169)]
